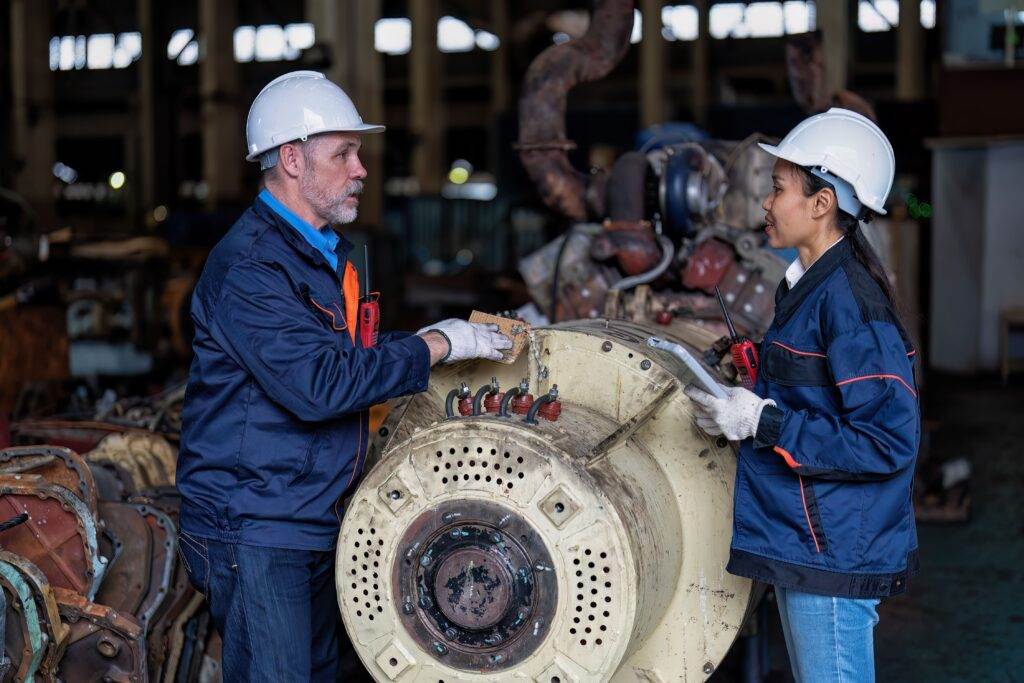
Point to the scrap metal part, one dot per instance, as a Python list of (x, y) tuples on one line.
[(149, 457), (24, 639), (591, 548), (54, 630), (58, 465), (103, 645), (60, 535)]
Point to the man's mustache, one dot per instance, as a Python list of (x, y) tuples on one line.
[(353, 188)]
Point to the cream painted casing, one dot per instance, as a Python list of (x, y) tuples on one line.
[(632, 503)]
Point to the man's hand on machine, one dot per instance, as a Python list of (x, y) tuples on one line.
[(735, 417), (454, 340)]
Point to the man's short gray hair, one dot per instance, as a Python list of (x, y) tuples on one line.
[(270, 158)]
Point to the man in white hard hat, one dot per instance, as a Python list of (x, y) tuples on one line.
[(274, 427)]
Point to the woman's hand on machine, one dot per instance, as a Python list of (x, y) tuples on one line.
[(734, 417)]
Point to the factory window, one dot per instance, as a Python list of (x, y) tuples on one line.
[(183, 47), (393, 36), (272, 43), (98, 51), (881, 15), (680, 22), (761, 19)]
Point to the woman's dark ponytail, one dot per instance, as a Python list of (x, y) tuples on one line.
[(850, 227)]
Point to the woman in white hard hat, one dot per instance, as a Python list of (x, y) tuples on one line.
[(831, 429)]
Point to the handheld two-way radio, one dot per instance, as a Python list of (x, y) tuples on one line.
[(744, 353), (369, 308)]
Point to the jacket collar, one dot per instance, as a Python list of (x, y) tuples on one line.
[(787, 300), (298, 242)]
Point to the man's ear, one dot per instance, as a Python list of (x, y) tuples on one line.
[(290, 160), (823, 202)]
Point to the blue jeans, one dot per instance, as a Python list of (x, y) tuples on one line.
[(828, 639), (276, 610)]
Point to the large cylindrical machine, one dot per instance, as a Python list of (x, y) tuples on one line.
[(588, 543)]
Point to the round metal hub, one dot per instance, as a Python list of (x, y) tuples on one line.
[(473, 588), (475, 585)]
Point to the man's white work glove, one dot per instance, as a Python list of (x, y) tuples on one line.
[(735, 417), (470, 340)]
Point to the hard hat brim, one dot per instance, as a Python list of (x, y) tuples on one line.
[(362, 129)]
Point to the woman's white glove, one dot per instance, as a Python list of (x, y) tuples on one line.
[(470, 340), (734, 417)]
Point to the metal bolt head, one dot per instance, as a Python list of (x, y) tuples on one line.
[(709, 668), (606, 347), (395, 494), (645, 364)]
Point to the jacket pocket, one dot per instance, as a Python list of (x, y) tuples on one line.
[(308, 460), (788, 365), (812, 515)]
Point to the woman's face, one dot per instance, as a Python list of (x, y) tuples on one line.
[(788, 213)]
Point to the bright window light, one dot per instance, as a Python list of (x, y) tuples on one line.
[(879, 15), (393, 36), (80, 52), (100, 51), (454, 35), (726, 21), (764, 20), (129, 49), (300, 36), (485, 40), (67, 53), (245, 43), (928, 13), (797, 16), (270, 43), (638, 27), (189, 54), (681, 22), (179, 39)]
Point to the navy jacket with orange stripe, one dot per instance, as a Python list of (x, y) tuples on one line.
[(823, 490), (274, 426)]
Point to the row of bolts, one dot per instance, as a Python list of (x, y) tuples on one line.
[(462, 393)]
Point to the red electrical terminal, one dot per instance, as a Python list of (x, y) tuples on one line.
[(550, 411), (466, 406), (521, 404), (492, 402), (663, 317)]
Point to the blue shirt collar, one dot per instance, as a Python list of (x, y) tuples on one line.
[(324, 239)]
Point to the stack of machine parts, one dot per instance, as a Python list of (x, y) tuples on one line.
[(93, 587), (558, 519)]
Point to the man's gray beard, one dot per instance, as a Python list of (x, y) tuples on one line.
[(331, 207)]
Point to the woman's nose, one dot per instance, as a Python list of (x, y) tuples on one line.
[(767, 203)]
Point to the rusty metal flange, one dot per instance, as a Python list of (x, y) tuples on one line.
[(58, 465), (60, 535), (46, 606), (128, 577)]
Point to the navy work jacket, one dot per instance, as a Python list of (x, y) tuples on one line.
[(275, 421), (823, 490)]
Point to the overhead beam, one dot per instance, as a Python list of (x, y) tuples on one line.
[(222, 120), (34, 135), (153, 129)]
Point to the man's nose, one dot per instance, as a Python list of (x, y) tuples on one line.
[(358, 171)]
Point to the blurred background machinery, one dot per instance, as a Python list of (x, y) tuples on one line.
[(572, 526)]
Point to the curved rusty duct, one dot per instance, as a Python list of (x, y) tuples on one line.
[(543, 146)]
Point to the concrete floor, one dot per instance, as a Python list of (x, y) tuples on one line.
[(963, 618)]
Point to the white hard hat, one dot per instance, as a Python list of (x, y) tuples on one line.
[(295, 106), (846, 149)]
